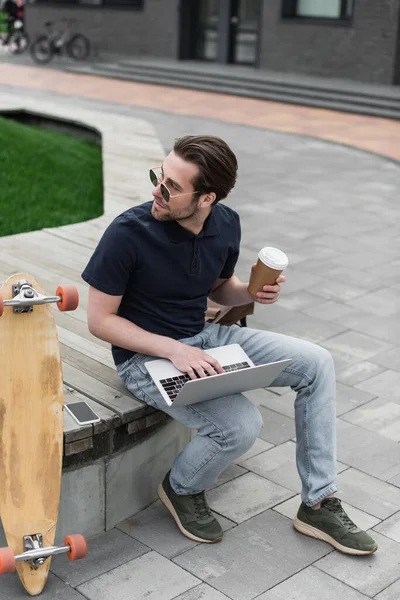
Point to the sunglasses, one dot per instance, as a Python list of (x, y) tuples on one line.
[(165, 193)]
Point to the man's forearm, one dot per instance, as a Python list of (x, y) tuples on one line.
[(121, 332), (232, 292)]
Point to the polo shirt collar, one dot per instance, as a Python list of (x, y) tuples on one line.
[(176, 233)]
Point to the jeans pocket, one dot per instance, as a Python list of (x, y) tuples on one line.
[(138, 364)]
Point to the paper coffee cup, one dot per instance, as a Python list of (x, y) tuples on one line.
[(270, 265)]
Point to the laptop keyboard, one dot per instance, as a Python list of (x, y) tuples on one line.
[(173, 385)]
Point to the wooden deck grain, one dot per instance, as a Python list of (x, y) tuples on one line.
[(58, 256)]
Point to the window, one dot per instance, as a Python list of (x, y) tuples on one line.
[(131, 4), (324, 10)]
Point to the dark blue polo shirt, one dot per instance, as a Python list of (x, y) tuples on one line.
[(163, 272)]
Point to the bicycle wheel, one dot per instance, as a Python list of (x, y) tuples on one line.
[(78, 47), (19, 42), (42, 50)]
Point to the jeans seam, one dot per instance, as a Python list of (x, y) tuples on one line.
[(149, 398), (326, 492), (187, 482), (302, 375), (305, 428)]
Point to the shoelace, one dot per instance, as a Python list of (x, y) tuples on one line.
[(335, 506), (200, 505)]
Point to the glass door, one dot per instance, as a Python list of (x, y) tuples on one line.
[(207, 30), (244, 23)]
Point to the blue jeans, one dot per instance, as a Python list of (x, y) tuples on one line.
[(228, 427)]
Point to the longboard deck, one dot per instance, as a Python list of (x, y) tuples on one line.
[(31, 429)]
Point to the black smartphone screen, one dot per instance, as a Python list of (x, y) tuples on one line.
[(82, 411)]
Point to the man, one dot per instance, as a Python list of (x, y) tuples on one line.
[(10, 9), (149, 278)]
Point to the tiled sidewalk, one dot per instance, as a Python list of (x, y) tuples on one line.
[(335, 211)]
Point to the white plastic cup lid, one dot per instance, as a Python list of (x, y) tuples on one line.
[(274, 258)]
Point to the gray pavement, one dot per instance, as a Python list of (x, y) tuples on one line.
[(334, 210)]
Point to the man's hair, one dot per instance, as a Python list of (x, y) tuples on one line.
[(216, 162)]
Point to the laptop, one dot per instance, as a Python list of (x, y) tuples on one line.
[(241, 375)]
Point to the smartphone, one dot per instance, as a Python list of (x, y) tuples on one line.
[(82, 413)]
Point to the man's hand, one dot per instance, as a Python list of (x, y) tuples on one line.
[(270, 293), (193, 361)]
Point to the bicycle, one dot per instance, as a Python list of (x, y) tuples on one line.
[(56, 41)]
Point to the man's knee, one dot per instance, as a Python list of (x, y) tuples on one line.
[(246, 430)]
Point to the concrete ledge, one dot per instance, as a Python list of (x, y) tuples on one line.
[(67, 126), (99, 494)]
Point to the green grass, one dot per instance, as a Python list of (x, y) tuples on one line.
[(3, 23), (47, 179)]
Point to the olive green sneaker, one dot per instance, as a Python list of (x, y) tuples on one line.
[(331, 524), (191, 513)]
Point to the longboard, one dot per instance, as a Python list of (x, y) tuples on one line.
[(31, 429)]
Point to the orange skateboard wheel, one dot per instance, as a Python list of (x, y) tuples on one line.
[(69, 297), (1, 305), (78, 546), (7, 561)]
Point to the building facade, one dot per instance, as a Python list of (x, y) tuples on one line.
[(347, 39)]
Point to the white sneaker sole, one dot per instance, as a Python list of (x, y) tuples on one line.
[(320, 535), (168, 505)]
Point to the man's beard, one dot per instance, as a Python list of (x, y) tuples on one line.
[(177, 214)]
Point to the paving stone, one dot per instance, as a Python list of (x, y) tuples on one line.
[(202, 592), (382, 302), (277, 428), (390, 527), (310, 329), (304, 586), (301, 280), (391, 593), (272, 316), (369, 574), (340, 359), (379, 415), (348, 398), (389, 359), (329, 289), (386, 384), (358, 372), (329, 311), (358, 344), (258, 447), (156, 528), (261, 396), (365, 521), (136, 580), (300, 300), (55, 589), (282, 404), (246, 496), (230, 473), (253, 557), (369, 494), (367, 451), (395, 480), (381, 328), (279, 465), (105, 552)]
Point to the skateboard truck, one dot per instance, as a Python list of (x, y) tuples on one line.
[(31, 544), (34, 552), (25, 297)]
